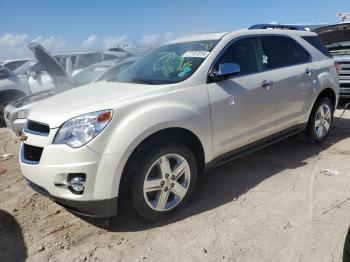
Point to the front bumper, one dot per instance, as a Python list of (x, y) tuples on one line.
[(58, 162), (97, 208)]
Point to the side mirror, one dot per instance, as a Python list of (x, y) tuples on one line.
[(225, 70)]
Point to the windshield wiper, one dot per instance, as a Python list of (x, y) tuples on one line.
[(141, 81), (151, 82)]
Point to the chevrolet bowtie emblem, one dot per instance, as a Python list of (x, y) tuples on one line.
[(23, 138)]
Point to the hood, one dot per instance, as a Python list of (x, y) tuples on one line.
[(36, 97), (90, 98), (334, 34), (58, 75)]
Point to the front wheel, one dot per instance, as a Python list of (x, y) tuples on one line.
[(321, 120), (163, 182)]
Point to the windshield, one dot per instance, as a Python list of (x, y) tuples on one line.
[(89, 74), (22, 70), (167, 64)]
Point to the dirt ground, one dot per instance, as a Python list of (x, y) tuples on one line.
[(276, 204)]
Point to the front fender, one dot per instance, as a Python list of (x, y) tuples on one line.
[(125, 134)]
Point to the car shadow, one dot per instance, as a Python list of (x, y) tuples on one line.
[(12, 245), (224, 184)]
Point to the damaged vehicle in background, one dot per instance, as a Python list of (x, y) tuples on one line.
[(13, 64), (32, 77), (72, 62), (12, 87), (16, 112), (337, 40)]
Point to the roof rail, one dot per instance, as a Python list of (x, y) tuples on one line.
[(277, 26)]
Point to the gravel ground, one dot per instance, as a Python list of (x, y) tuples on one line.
[(276, 204)]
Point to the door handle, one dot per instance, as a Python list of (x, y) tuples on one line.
[(309, 71), (267, 84)]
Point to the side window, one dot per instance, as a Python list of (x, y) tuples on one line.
[(246, 52), (62, 62), (316, 42), (74, 59), (280, 51), (107, 57), (87, 59)]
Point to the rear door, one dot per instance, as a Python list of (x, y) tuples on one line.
[(292, 74), (242, 108)]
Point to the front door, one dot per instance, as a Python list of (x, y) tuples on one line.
[(242, 107)]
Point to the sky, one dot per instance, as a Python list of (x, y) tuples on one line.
[(67, 25)]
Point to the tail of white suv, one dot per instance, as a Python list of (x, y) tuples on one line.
[(147, 135)]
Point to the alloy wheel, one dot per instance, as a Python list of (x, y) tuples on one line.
[(167, 182), (323, 120)]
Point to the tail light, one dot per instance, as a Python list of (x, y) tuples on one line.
[(338, 67)]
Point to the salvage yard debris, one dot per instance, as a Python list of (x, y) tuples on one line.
[(2, 170), (5, 157), (331, 172)]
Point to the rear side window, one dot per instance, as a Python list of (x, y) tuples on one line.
[(316, 42), (107, 57), (281, 51), (245, 52), (86, 60)]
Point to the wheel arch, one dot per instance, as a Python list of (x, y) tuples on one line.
[(12, 92), (327, 92), (173, 134)]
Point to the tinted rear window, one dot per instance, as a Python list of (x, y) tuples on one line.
[(316, 42), (281, 51)]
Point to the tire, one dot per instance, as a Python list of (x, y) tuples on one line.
[(346, 252), (320, 125), (4, 101), (154, 179)]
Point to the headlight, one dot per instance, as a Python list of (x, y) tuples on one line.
[(23, 114), (82, 129)]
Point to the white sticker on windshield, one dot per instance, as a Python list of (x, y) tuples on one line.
[(200, 54)]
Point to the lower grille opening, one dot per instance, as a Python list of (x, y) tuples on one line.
[(32, 153)]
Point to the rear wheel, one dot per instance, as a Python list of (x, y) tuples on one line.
[(4, 101), (164, 179), (321, 120)]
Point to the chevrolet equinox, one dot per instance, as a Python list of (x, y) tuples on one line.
[(148, 134)]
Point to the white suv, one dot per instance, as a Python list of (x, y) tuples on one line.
[(148, 134)]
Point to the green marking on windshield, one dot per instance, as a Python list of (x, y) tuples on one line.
[(171, 64)]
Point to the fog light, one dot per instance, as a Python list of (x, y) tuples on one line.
[(76, 183)]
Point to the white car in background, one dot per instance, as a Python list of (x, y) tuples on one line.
[(72, 62), (38, 77), (13, 64), (12, 87), (16, 113)]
